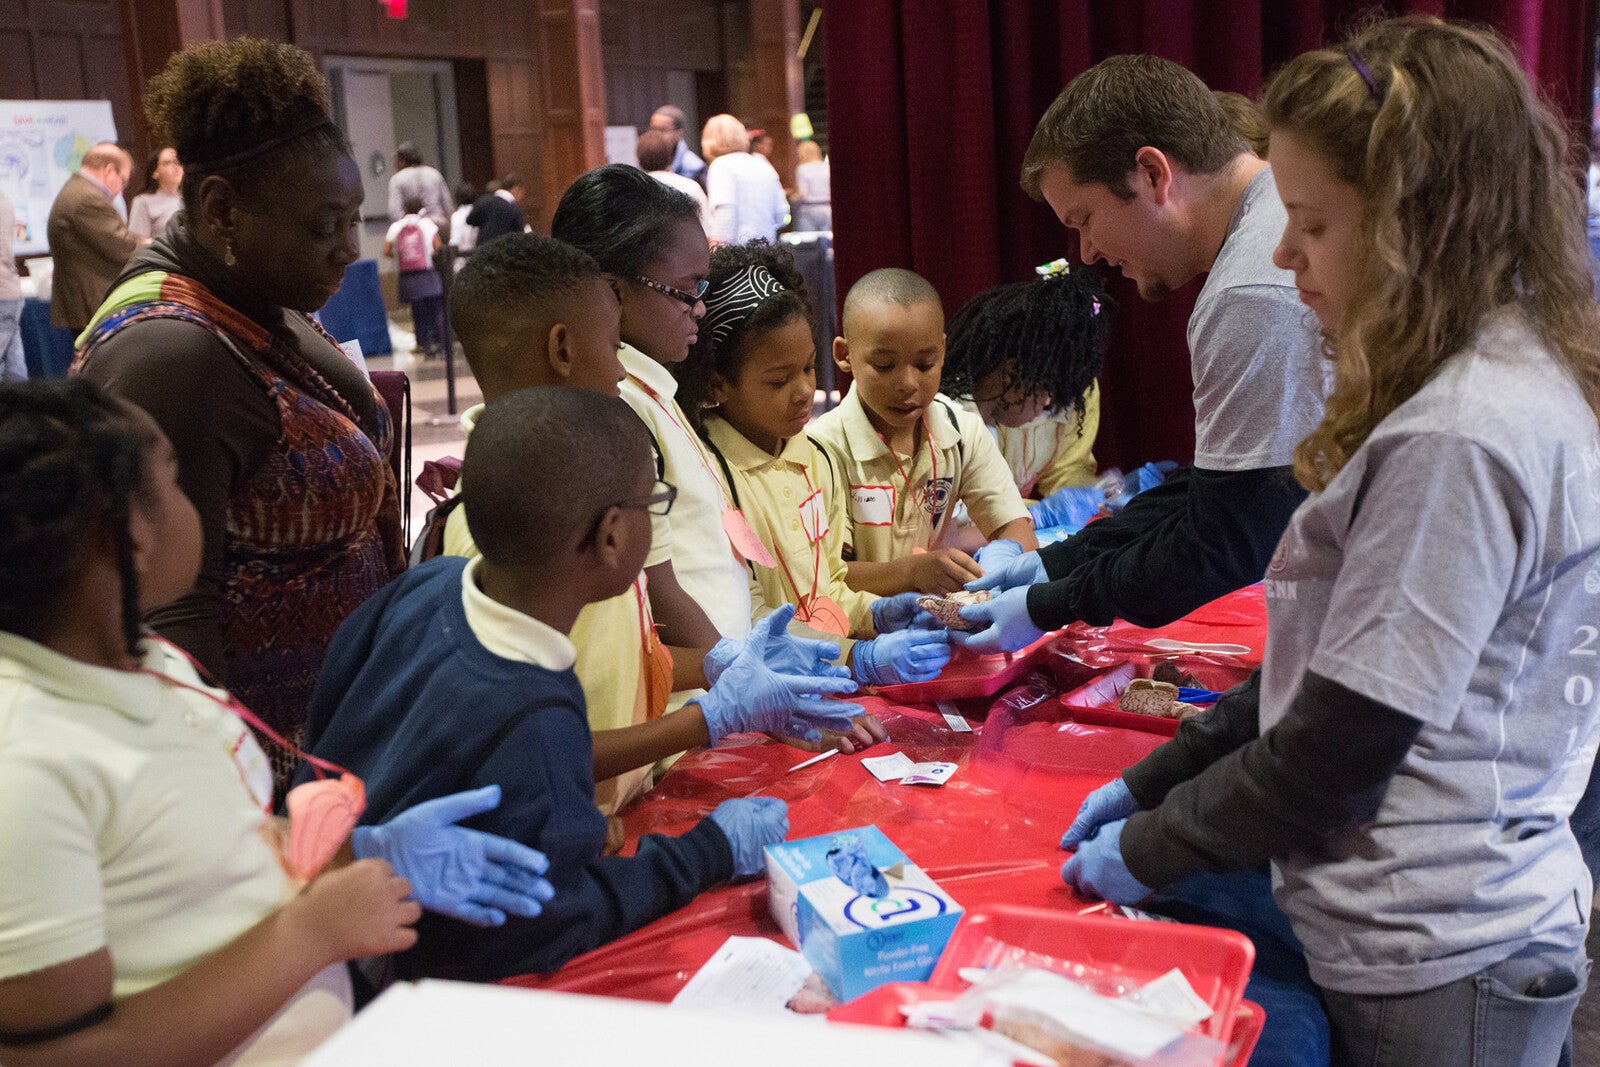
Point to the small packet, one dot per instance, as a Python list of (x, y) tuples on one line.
[(930, 774)]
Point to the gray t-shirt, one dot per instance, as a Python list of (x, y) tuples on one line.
[(427, 185), (1254, 351), (1451, 570)]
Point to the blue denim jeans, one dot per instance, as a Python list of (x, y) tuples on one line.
[(1487, 1019), (13, 368), (1296, 1033)]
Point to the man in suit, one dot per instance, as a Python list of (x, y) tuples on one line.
[(89, 241), (500, 212)]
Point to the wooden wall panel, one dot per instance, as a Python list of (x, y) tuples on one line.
[(16, 65), (256, 18), (514, 120), (652, 46)]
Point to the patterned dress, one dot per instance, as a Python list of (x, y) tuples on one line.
[(311, 533)]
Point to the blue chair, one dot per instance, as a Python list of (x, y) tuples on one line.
[(356, 312)]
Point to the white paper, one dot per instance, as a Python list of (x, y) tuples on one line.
[(930, 774), (953, 718), (1171, 997), (894, 766), (352, 352), (747, 974)]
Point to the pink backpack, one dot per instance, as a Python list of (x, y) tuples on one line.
[(411, 249)]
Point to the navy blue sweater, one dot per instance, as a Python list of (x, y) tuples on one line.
[(414, 704)]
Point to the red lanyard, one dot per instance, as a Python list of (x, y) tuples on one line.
[(816, 555), (233, 705), (699, 449), (933, 459)]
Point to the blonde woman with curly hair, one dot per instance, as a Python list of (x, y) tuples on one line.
[(747, 199), (1426, 716)]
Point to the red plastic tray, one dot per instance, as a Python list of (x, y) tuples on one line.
[(1095, 703), (969, 675), (1216, 962), (1246, 1032), (881, 1007)]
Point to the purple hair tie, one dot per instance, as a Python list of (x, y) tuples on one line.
[(1366, 75)]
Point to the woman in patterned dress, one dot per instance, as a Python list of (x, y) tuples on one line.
[(282, 443)]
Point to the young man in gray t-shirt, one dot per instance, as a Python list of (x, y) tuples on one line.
[(1139, 159)]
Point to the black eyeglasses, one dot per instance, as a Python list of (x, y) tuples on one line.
[(659, 502), (681, 295)]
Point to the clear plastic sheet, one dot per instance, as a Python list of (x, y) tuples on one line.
[(991, 834)]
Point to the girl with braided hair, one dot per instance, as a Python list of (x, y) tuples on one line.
[(144, 916), (282, 443), (1026, 356), (152, 911), (750, 380)]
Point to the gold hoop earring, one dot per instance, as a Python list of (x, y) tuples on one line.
[(228, 258)]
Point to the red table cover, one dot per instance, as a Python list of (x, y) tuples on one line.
[(990, 834)]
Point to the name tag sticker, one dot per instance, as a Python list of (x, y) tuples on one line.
[(814, 517), (872, 505)]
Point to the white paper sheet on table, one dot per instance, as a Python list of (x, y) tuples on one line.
[(747, 974)]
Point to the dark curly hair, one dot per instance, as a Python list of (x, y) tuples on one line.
[(245, 97), (1045, 336), (726, 358), (72, 459)]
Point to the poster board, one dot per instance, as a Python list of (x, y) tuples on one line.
[(42, 143)]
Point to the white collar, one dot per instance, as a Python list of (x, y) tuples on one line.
[(510, 634), (507, 197), (648, 371)]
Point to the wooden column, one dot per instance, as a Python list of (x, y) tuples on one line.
[(779, 89), (152, 30), (572, 77)]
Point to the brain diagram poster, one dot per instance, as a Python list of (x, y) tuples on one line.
[(41, 143)]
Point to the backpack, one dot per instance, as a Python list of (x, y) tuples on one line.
[(411, 249)]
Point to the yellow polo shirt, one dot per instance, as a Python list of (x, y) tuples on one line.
[(771, 489), (131, 815), (610, 665), (885, 521), (1053, 452)]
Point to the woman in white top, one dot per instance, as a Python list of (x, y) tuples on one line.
[(747, 199), (153, 208), (813, 198)]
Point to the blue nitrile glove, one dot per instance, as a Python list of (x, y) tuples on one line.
[(751, 824), (1010, 626), (466, 874), (1027, 569), (1109, 803), (1098, 870), (901, 657), (996, 554), (1198, 697), (900, 612), (849, 864), (1149, 476), (784, 652), (749, 695), (1072, 506)]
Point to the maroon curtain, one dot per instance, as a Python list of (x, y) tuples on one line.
[(931, 104)]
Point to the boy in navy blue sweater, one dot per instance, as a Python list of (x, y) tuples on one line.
[(459, 674)]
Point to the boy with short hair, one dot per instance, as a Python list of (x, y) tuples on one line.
[(533, 311), (909, 454), (459, 674)]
